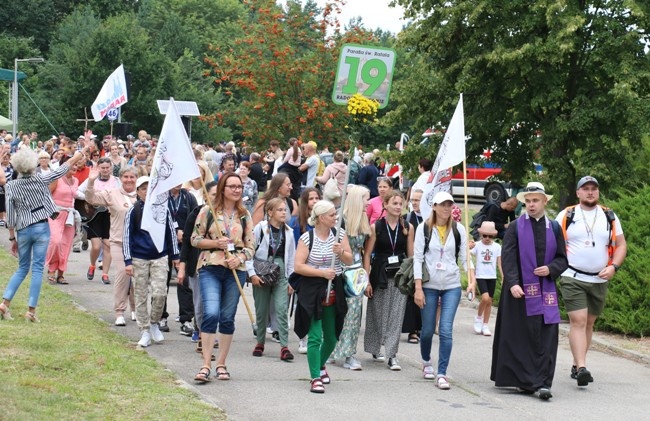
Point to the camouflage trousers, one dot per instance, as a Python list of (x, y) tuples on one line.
[(149, 276)]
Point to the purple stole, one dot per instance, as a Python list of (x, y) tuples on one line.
[(539, 292)]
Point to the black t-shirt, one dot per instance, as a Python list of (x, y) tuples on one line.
[(277, 239)]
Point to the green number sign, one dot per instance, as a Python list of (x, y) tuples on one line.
[(365, 70)]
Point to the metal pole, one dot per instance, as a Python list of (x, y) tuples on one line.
[(14, 108)]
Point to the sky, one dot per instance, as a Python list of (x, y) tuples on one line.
[(374, 13)]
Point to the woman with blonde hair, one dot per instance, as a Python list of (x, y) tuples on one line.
[(357, 229), (274, 239), (195, 186), (320, 257), (43, 163)]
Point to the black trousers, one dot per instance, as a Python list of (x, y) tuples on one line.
[(184, 296)]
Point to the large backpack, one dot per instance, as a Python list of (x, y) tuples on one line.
[(478, 219), (611, 227)]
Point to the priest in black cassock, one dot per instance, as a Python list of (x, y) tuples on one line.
[(526, 333)]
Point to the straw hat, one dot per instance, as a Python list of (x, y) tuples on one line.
[(488, 228), (533, 187)]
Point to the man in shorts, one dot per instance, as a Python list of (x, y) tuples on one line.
[(584, 283)]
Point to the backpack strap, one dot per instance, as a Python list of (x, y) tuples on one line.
[(311, 237), (454, 230), (427, 237)]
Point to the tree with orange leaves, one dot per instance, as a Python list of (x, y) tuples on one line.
[(279, 76)]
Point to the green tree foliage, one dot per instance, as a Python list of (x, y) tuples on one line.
[(628, 299), (567, 81)]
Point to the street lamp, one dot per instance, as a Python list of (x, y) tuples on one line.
[(14, 98)]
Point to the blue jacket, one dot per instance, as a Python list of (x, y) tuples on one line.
[(138, 243)]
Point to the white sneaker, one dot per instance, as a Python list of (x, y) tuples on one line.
[(330, 361), (379, 358), (156, 334), (427, 371), (119, 321), (393, 364), (133, 319), (302, 346), (486, 331), (269, 330), (352, 363), (145, 340), (478, 325)]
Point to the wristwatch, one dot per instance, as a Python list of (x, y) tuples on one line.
[(12, 238), (616, 267)]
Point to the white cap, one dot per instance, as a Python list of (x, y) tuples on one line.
[(140, 181), (441, 197)]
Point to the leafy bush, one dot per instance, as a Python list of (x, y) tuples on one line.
[(628, 299)]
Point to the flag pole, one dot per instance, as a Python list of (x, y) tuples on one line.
[(466, 212), (234, 272), (344, 194)]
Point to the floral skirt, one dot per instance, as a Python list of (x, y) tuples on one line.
[(347, 344)]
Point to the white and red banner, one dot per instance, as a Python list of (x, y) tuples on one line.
[(452, 152), (112, 95)]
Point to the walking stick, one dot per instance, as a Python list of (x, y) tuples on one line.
[(234, 272)]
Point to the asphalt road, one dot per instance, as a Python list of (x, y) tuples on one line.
[(267, 388)]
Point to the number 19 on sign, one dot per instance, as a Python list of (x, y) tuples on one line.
[(365, 70)]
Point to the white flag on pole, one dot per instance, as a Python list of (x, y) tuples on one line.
[(452, 152), (173, 164), (112, 95)]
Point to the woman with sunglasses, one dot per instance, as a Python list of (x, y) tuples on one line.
[(274, 239), (227, 242), (441, 260), (375, 208)]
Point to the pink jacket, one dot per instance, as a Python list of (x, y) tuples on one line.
[(338, 171)]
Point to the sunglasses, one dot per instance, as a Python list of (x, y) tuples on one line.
[(487, 236), (533, 189)]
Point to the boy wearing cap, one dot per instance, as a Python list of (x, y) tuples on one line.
[(526, 332), (584, 283), (148, 266)]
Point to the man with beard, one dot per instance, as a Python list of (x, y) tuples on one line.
[(596, 249), (526, 335)]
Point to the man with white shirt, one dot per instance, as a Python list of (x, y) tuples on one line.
[(596, 249)]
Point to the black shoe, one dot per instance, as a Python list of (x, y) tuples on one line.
[(276, 336), (84, 246), (574, 372), (164, 327), (187, 329), (584, 377), (544, 393)]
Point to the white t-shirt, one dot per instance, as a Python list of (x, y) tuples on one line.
[(587, 240), (486, 259), (312, 168)]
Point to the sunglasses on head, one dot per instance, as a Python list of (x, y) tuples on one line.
[(487, 236), (533, 189)]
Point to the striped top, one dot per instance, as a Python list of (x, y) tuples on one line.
[(320, 256), (29, 200)]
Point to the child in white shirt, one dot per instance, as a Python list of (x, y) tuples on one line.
[(488, 259)]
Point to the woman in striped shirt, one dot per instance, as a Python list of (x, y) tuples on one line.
[(29, 205), (319, 259)]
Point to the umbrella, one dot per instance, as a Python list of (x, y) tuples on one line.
[(5, 123)]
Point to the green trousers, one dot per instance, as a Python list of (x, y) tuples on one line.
[(322, 340)]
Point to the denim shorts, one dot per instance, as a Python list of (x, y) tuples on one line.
[(220, 297)]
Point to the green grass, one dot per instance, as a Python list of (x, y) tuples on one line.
[(73, 366)]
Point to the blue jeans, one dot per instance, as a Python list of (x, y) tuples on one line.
[(449, 300), (220, 297), (32, 247)]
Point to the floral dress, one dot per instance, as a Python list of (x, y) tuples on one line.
[(347, 344)]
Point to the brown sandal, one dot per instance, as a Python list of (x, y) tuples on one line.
[(222, 375), (61, 280), (203, 376)]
